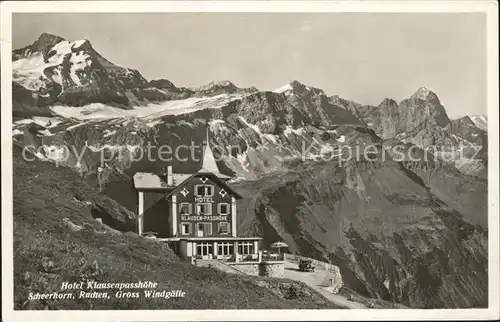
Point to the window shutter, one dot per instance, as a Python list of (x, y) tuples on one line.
[(223, 228)]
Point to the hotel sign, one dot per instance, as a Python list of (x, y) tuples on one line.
[(204, 218), (203, 199)]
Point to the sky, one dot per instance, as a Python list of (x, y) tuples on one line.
[(364, 57)]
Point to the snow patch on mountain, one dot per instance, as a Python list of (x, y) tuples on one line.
[(46, 132), (17, 132), (290, 130), (153, 123), (46, 122), (481, 121), (219, 127), (148, 112), (284, 89), (252, 126), (75, 126), (461, 141), (31, 70), (109, 133), (28, 71), (256, 129)]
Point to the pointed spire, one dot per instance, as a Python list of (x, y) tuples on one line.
[(209, 164)]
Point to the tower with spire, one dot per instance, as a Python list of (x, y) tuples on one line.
[(209, 164)]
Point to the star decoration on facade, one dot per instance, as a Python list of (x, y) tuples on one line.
[(184, 192), (223, 193)]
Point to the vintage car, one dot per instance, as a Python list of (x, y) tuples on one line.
[(305, 265)]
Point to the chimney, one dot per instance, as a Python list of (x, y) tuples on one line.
[(170, 179)]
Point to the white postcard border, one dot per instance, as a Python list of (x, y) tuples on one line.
[(490, 8)]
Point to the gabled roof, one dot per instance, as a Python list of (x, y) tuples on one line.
[(219, 182)]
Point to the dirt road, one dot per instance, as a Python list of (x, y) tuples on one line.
[(314, 280)]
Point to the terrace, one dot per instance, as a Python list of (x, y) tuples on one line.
[(251, 258)]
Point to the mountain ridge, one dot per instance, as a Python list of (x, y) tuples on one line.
[(158, 90), (419, 119)]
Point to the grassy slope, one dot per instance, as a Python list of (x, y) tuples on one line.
[(48, 251)]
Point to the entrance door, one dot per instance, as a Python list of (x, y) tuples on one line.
[(205, 250), (199, 230)]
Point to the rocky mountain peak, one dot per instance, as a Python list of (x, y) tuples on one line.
[(297, 87), (49, 38), (73, 73), (42, 45), (388, 102), (162, 84), (225, 83), (212, 86), (425, 94), (465, 120)]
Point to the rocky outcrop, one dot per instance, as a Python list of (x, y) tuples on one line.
[(481, 121), (390, 119), (170, 91), (465, 128), (222, 87)]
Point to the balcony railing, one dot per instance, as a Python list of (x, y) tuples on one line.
[(269, 257), (249, 258), (260, 257)]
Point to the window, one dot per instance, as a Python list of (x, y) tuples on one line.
[(204, 190), (186, 228), (245, 248), (223, 208), (225, 248), (206, 227), (203, 249), (185, 208), (203, 209), (223, 228)]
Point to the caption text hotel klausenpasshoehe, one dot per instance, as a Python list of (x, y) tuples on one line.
[(98, 290)]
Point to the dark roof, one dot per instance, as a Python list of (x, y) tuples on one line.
[(151, 181), (214, 176), (217, 174)]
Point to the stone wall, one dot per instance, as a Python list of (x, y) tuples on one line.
[(272, 269), (247, 268)]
